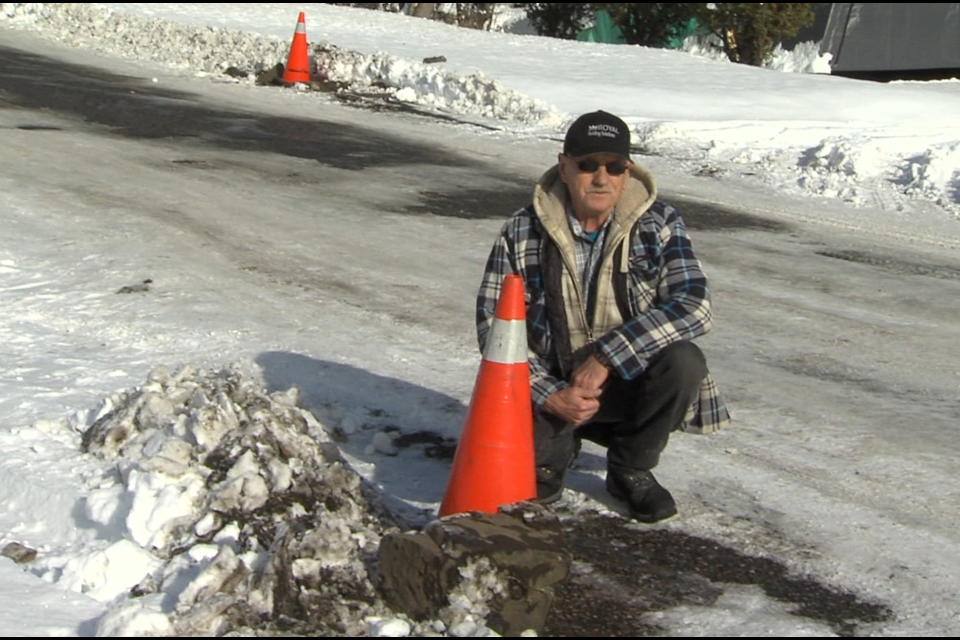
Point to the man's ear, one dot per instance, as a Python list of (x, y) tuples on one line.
[(562, 166)]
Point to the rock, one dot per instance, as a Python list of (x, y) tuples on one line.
[(271, 77), (140, 287), (19, 553), (522, 543), (235, 72)]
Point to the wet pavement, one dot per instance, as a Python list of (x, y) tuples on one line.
[(623, 571)]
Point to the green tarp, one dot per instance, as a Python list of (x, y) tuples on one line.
[(604, 30)]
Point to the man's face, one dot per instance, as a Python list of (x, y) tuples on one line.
[(593, 194)]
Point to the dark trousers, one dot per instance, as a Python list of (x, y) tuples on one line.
[(636, 416)]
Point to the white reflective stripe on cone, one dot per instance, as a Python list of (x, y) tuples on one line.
[(507, 342)]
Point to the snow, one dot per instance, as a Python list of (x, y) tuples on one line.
[(166, 372)]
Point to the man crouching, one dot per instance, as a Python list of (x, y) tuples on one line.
[(615, 296)]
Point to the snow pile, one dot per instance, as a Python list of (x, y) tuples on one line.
[(856, 170), (223, 509), (203, 50), (804, 58), (935, 175), (861, 170), (233, 508), (433, 87)]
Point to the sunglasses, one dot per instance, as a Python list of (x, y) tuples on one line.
[(614, 167)]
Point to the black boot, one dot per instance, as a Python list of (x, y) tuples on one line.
[(549, 484), (648, 501), (551, 473)]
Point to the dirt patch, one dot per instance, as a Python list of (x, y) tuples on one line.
[(496, 202), (624, 572), (709, 216)]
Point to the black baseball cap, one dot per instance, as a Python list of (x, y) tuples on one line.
[(597, 132)]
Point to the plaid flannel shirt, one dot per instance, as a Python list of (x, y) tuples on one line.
[(667, 291)]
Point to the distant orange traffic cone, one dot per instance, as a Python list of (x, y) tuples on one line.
[(494, 463), (298, 62)]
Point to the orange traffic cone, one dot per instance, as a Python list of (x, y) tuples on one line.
[(298, 62), (494, 463)]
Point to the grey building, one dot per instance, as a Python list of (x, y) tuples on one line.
[(889, 41)]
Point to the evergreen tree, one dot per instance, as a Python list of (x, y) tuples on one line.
[(559, 19), (652, 24), (750, 31)]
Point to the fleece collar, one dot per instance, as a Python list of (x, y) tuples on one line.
[(550, 200)]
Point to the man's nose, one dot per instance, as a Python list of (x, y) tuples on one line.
[(600, 176)]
